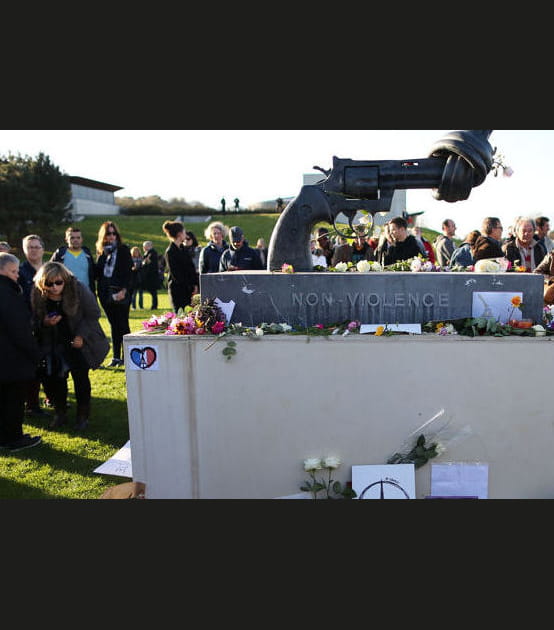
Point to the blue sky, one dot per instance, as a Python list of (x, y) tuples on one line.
[(257, 165)]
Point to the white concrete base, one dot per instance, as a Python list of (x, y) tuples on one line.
[(205, 427)]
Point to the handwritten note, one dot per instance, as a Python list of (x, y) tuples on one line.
[(119, 463)]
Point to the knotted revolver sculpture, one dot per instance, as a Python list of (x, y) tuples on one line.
[(352, 188)]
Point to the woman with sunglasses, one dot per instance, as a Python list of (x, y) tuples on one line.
[(113, 274), (65, 323)]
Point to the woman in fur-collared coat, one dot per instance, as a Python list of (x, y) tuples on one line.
[(65, 322)]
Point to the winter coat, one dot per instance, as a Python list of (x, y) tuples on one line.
[(121, 276), (444, 247), (180, 268), (244, 257), (486, 247), (18, 348), (512, 253), (462, 256), (150, 270), (80, 307), (403, 250), (208, 262)]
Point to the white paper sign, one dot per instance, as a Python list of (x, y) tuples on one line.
[(384, 481), (460, 480), (119, 463), (226, 307), (496, 304)]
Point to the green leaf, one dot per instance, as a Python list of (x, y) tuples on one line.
[(337, 487), (420, 440)]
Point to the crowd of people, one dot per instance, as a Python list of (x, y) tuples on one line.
[(528, 241), (50, 310)]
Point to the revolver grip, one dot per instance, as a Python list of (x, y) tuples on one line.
[(290, 239)]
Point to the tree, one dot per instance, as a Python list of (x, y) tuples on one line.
[(35, 197)]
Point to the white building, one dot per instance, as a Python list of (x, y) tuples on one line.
[(91, 197)]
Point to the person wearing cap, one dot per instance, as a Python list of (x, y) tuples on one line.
[(240, 256)]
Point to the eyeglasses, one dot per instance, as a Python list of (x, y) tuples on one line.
[(58, 283)]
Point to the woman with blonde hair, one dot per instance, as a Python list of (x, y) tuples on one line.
[(210, 255), (65, 323)]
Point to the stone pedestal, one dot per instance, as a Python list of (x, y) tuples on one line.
[(203, 427), (305, 299)]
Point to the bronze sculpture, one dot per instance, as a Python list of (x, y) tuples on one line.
[(353, 191)]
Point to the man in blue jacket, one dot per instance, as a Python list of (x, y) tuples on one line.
[(239, 256)]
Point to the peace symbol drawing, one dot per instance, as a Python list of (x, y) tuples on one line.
[(143, 357)]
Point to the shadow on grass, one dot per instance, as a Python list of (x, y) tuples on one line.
[(66, 459)]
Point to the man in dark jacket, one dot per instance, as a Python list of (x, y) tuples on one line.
[(150, 272), (489, 244), (20, 355), (77, 258), (404, 246), (239, 256)]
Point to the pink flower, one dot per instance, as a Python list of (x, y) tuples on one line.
[(200, 331), (320, 326), (353, 325), (218, 327), (286, 268)]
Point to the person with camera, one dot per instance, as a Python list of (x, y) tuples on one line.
[(113, 276)]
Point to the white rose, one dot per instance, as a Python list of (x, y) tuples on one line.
[(363, 266), (259, 332), (415, 264), (312, 463), (439, 449), (286, 327), (331, 462), (375, 266), (341, 266), (427, 266), (486, 265)]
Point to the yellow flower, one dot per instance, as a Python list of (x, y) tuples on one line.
[(439, 326), (380, 330)]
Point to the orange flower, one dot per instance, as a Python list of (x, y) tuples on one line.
[(516, 301), (380, 330)]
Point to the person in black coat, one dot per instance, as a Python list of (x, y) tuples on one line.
[(182, 281), (20, 355), (113, 276), (150, 272), (66, 325)]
